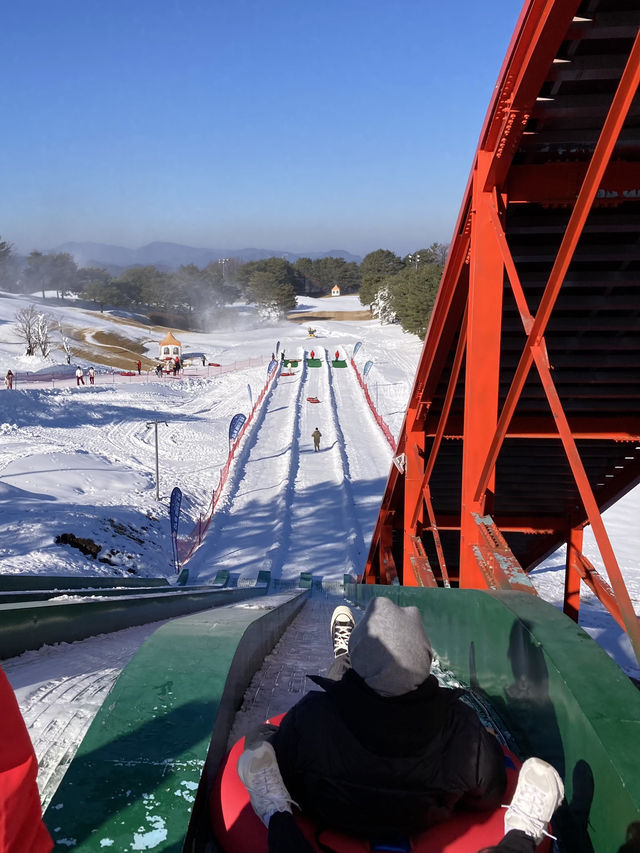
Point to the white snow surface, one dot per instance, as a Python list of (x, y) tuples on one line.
[(82, 460)]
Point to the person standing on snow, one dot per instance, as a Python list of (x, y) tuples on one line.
[(139, 366), (79, 376), (316, 435), (92, 375), (8, 380)]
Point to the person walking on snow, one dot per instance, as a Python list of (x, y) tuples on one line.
[(92, 375), (8, 380), (316, 435), (79, 376)]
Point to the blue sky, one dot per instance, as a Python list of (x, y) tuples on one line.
[(301, 126)]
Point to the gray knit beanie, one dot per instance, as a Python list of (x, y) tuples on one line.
[(389, 648)]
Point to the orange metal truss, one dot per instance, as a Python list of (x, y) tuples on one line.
[(523, 424)]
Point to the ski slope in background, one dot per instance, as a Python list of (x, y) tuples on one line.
[(82, 460)]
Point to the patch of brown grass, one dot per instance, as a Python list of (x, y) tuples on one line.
[(364, 314)]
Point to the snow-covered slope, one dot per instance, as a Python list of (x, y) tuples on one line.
[(82, 459)]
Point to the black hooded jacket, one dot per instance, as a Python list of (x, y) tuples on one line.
[(359, 762)]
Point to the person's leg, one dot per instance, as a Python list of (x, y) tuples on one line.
[(258, 769), (515, 841), (341, 626), (285, 836), (538, 794)]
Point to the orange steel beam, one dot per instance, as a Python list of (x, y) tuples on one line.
[(482, 369), (442, 422), (539, 355), (625, 429), (457, 416), (613, 124), (436, 538), (499, 567), (598, 586), (573, 574)]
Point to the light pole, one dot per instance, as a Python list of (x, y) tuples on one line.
[(223, 261), (155, 425), (416, 258)]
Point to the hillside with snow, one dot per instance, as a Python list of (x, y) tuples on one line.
[(81, 459)]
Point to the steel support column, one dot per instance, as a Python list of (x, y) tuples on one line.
[(572, 574), (484, 322), (414, 470)]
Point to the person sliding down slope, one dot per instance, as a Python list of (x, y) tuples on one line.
[(384, 749)]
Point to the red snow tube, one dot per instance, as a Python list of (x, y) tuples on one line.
[(238, 829), (312, 400), (21, 826)]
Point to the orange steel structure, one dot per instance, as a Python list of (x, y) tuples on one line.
[(523, 424)]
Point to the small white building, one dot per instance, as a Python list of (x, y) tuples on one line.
[(335, 290), (170, 347)]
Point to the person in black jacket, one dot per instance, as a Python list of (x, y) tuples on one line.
[(383, 749)]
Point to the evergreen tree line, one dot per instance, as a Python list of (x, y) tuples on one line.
[(397, 289), (403, 290)]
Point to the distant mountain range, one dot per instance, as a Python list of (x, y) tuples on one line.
[(172, 255)]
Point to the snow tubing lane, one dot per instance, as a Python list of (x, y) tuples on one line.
[(238, 829)]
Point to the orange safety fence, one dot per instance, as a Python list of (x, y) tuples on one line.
[(379, 420)]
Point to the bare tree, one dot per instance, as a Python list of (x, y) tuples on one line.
[(43, 334), (65, 345), (26, 325), (34, 328)]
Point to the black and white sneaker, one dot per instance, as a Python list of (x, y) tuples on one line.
[(342, 624)]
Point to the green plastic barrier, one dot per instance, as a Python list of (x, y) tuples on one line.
[(314, 362), (27, 582), (557, 692), (222, 578), (264, 578), (30, 626), (338, 363), (306, 580), (133, 782), (48, 595)]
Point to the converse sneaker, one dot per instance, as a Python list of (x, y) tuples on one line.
[(538, 794), (259, 772), (342, 624)]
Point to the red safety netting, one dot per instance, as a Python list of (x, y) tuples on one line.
[(381, 423)]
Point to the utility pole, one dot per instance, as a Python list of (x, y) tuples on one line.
[(155, 425)]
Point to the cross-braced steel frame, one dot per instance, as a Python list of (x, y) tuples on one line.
[(516, 438)]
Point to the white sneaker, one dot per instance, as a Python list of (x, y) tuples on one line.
[(538, 794), (342, 624), (258, 769)]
